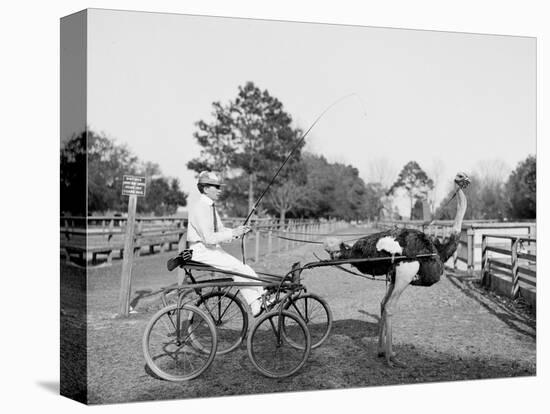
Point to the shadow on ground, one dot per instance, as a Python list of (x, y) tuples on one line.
[(505, 310), (347, 359)]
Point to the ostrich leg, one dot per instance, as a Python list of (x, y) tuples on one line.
[(404, 273), (381, 322)]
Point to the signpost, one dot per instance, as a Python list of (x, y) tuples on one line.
[(133, 187)]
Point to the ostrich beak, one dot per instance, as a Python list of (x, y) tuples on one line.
[(462, 180)]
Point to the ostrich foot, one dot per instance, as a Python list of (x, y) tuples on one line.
[(394, 362), (382, 354)]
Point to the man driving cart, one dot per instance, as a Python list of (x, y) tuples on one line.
[(206, 231)]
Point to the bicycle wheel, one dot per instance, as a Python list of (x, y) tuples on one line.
[(229, 316), (176, 358), (315, 312), (270, 351)]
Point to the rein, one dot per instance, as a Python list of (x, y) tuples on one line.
[(351, 271), (314, 242)]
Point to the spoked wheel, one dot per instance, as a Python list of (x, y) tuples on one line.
[(183, 357), (270, 351), (229, 316), (315, 312)]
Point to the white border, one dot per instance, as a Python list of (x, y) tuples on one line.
[(30, 97)]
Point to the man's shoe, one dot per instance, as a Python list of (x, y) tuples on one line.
[(270, 300), (256, 308)]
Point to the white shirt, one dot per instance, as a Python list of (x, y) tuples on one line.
[(200, 227)]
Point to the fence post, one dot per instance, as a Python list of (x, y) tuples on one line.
[(293, 230), (126, 275), (257, 249), (484, 260), (279, 233), (470, 234), (137, 237), (287, 242), (269, 241), (515, 270)]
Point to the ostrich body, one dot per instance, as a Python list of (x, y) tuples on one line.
[(423, 271)]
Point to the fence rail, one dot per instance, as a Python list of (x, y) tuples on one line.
[(515, 263), (469, 251), (89, 237)]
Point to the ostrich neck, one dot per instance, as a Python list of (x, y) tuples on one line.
[(460, 211), (345, 252)]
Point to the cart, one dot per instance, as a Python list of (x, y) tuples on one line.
[(205, 317)]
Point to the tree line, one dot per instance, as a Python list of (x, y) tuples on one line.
[(250, 136), (95, 160), (489, 197), (246, 140)]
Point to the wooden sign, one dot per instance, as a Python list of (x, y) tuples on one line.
[(133, 185)]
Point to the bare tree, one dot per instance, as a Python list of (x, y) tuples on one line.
[(381, 170), (435, 172), (285, 197), (492, 171)]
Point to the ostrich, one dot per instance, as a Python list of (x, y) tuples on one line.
[(423, 271)]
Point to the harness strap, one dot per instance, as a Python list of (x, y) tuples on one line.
[(351, 271), (360, 275)]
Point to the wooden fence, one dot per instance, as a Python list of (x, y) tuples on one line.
[(513, 261), (85, 238), (88, 237), (268, 236)]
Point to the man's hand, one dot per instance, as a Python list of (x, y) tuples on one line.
[(239, 231)]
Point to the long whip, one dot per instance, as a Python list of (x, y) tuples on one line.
[(304, 135)]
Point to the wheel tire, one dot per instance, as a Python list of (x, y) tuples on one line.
[(273, 356), (175, 361), (315, 312), (229, 316)]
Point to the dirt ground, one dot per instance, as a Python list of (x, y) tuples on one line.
[(450, 331)]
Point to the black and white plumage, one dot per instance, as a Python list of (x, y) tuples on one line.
[(423, 271), (400, 242)]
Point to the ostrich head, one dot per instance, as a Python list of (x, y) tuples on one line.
[(462, 180), (332, 247)]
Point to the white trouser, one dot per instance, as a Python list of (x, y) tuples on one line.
[(219, 258)]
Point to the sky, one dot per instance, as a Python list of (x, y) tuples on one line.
[(450, 101)]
